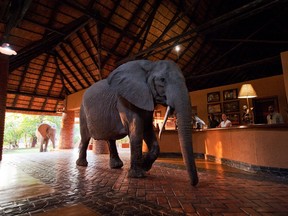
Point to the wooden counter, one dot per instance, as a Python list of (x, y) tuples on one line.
[(253, 146)]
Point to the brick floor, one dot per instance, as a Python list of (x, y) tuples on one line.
[(165, 190)]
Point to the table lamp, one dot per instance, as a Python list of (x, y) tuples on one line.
[(247, 91)]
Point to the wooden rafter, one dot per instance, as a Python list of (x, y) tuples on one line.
[(45, 45)]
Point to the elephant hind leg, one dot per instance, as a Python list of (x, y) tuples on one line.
[(82, 161), (115, 161), (85, 138)]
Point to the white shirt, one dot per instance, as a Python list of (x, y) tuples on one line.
[(274, 118), (226, 123)]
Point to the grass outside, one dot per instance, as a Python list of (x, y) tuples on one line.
[(20, 150)]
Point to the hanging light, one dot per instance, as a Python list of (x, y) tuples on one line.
[(177, 48), (6, 49)]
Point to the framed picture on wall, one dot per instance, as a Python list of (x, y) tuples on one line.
[(213, 97), (214, 108), (230, 94), (232, 106)]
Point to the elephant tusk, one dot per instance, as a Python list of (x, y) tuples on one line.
[(164, 122)]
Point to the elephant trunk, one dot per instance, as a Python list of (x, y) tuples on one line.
[(183, 114)]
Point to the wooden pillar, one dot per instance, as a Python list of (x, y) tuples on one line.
[(284, 60), (4, 67), (67, 129)]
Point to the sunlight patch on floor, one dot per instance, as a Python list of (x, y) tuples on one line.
[(15, 184)]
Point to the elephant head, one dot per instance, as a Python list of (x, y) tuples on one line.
[(44, 133), (145, 84)]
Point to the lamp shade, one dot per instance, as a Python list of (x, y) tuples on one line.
[(247, 91)]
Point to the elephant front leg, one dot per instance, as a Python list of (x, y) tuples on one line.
[(153, 147), (115, 161), (136, 170), (133, 120), (41, 145), (45, 145)]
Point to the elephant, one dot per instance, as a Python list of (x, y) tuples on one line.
[(123, 104), (45, 132)]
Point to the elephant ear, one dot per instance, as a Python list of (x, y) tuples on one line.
[(130, 82), (43, 129)]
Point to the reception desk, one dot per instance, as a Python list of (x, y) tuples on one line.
[(252, 148)]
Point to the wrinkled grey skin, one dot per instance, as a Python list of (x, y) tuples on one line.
[(45, 132), (123, 104)]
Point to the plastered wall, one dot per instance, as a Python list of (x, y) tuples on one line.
[(265, 87)]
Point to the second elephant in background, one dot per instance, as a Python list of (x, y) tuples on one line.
[(44, 133)]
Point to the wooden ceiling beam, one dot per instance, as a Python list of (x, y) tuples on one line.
[(63, 48), (39, 80), (272, 42), (17, 10), (35, 95), (149, 23), (237, 68), (89, 51), (94, 42), (21, 82), (30, 110), (70, 71), (215, 24), (96, 16), (216, 60), (44, 104), (63, 76), (146, 29), (46, 44), (78, 56), (98, 46)]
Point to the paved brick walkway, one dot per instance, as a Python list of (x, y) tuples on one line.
[(165, 190)]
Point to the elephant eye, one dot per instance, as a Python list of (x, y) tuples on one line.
[(162, 79)]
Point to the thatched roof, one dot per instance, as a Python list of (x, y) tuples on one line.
[(65, 46)]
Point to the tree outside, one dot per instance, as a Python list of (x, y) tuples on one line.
[(20, 129)]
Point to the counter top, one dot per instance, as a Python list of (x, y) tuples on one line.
[(251, 126)]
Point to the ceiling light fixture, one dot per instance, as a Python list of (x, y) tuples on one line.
[(177, 48), (6, 49)]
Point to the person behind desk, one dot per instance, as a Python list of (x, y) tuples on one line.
[(212, 122), (274, 117), (225, 123)]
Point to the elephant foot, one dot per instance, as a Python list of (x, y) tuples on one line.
[(136, 173), (195, 180), (82, 162), (148, 162), (115, 163)]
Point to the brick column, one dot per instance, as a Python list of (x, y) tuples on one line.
[(4, 67), (67, 129)]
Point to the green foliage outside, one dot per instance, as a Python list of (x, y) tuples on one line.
[(19, 133), (20, 129)]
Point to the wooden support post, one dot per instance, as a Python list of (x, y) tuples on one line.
[(4, 67)]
